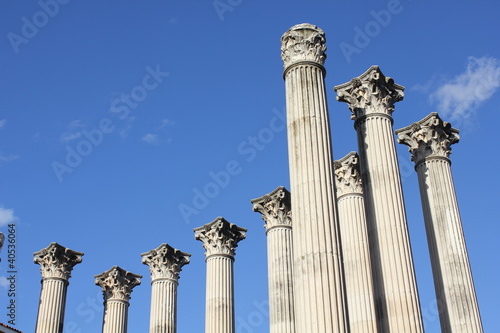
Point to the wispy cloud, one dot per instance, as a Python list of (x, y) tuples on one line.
[(3, 122), (460, 98), (4, 283), (74, 131), (151, 139), (8, 158), (6, 216)]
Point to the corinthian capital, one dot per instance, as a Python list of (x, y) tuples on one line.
[(56, 261), (372, 92), (428, 137), (117, 283), (275, 208), (347, 175), (165, 262), (303, 43), (220, 237)]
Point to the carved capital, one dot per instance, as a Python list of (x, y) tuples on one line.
[(303, 43), (428, 137), (347, 175), (220, 237), (2, 240), (117, 283), (165, 262), (56, 261), (275, 208), (372, 92)]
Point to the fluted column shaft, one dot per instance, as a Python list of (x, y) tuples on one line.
[(276, 211), (429, 141), (355, 246), (56, 263), (52, 305), (220, 239), (371, 97), (320, 304), (165, 264), (115, 316)]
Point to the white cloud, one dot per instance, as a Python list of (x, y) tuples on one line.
[(74, 131), (4, 283), (151, 139), (5, 159), (460, 97), (6, 216), (2, 123)]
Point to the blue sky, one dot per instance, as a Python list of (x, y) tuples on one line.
[(115, 116)]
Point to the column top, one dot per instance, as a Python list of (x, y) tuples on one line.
[(371, 92), (56, 261), (220, 237), (2, 239), (347, 174), (275, 208), (165, 262), (303, 43), (429, 137), (117, 283)]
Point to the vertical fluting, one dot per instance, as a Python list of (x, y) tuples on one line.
[(430, 143), (117, 285), (371, 98), (56, 263), (320, 304), (276, 212), (165, 264), (355, 246), (220, 239)]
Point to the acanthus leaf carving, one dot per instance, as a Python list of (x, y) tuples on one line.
[(165, 262), (275, 208), (56, 261), (347, 175), (303, 42), (428, 137), (117, 283), (220, 237)]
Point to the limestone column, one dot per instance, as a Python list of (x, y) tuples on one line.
[(165, 263), (56, 263), (355, 245), (319, 294), (117, 285), (429, 142), (275, 209), (371, 99), (220, 239)]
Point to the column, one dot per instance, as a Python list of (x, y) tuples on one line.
[(319, 295), (165, 263), (220, 239), (429, 142), (56, 263), (371, 99), (275, 209), (355, 246), (2, 240), (117, 285)]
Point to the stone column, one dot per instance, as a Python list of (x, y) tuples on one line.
[(2, 240), (429, 142), (117, 285), (220, 239), (56, 263), (355, 246), (371, 99), (320, 304), (165, 263), (275, 210)]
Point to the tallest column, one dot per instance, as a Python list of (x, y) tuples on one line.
[(319, 299), (371, 99)]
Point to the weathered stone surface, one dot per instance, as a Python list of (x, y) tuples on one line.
[(429, 142), (220, 237), (371, 99), (275, 208), (56, 263), (320, 304)]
